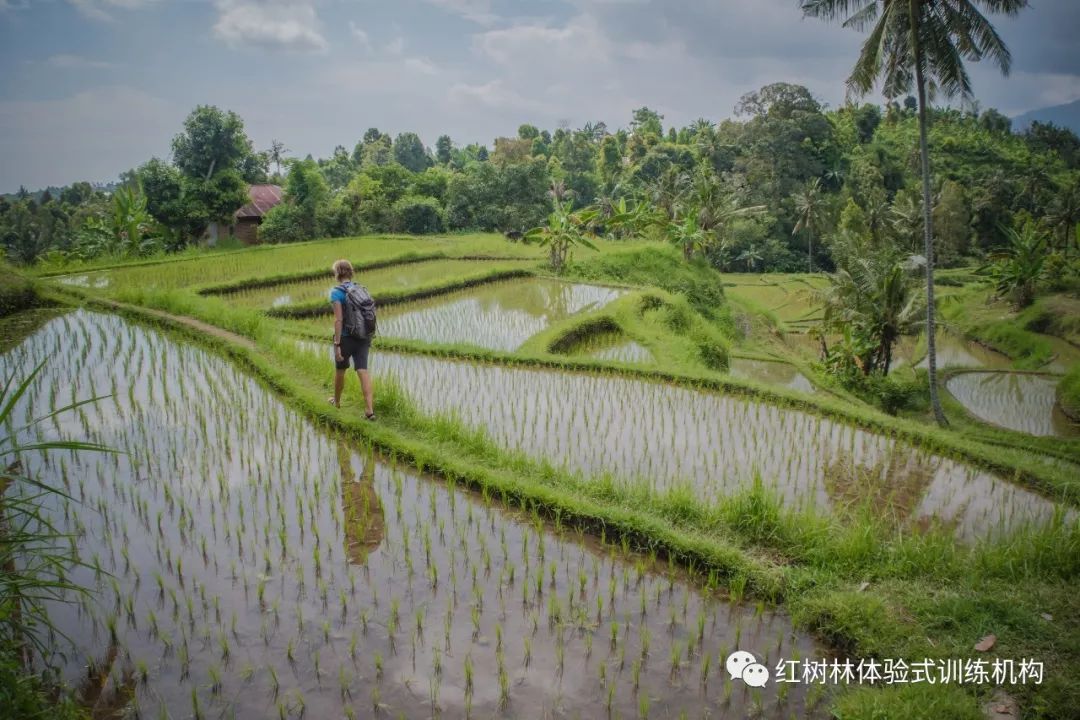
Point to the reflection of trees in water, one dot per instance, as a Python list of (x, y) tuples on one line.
[(535, 297), (364, 525), (890, 489)]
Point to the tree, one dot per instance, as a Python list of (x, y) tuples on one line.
[(212, 141), (1017, 268), (443, 148), (563, 231), (872, 299), (647, 122), (921, 44), (528, 132), (952, 220), (410, 153), (810, 209), (277, 153)]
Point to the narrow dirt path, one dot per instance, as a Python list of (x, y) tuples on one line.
[(190, 322)]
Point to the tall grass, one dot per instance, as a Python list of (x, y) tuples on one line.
[(35, 561)]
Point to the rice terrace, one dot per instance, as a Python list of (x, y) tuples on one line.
[(770, 416)]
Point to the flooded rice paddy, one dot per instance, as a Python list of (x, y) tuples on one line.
[(395, 278), (1016, 401), (248, 565), (612, 345), (770, 373), (495, 316), (660, 436)]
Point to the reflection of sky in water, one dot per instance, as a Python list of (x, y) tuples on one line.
[(773, 373), (498, 316), (223, 490), (660, 434), (1017, 401), (380, 280)]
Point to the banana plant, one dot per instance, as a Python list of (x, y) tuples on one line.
[(564, 230)]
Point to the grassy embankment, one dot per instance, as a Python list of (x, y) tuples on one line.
[(927, 596), (1068, 393)]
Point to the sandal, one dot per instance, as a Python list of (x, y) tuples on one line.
[(370, 416), (332, 402)]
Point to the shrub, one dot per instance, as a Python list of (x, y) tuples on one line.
[(16, 292), (417, 215), (283, 223)]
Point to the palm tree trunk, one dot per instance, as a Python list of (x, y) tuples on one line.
[(810, 252), (928, 230)]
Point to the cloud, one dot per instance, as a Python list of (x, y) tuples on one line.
[(99, 9), (361, 36), (64, 61), (94, 134), (478, 11), (290, 25)]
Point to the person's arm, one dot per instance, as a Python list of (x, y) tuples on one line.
[(337, 330)]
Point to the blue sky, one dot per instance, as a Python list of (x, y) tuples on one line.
[(93, 87)]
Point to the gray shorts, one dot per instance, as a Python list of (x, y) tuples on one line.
[(357, 350)]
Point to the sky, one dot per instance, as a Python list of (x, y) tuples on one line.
[(91, 88)]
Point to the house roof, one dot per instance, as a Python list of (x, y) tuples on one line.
[(262, 198)]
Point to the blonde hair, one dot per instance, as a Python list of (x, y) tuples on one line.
[(343, 270)]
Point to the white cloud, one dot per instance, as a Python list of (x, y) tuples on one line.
[(421, 65), (395, 46), (361, 36), (99, 9), (495, 95), (478, 11), (93, 135), (64, 61), (291, 25)]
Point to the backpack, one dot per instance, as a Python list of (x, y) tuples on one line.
[(358, 311)]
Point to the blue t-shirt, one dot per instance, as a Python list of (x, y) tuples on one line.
[(337, 295)]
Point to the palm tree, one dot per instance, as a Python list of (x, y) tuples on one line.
[(873, 299), (277, 153), (921, 43), (809, 206)]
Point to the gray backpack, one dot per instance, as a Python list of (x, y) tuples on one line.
[(359, 311)]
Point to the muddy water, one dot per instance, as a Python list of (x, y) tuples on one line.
[(772, 373), (659, 435), (261, 568), (389, 279), (498, 316), (1016, 401)]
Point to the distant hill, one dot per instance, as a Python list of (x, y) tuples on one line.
[(1067, 116)]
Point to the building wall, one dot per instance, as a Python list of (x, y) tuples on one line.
[(247, 230)]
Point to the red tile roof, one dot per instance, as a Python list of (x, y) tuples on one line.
[(263, 197)]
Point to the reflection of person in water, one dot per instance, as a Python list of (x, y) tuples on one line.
[(360, 505)]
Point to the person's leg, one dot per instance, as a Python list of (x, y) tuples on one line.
[(369, 394), (360, 362), (339, 384)]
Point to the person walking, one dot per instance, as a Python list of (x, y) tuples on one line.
[(354, 326)]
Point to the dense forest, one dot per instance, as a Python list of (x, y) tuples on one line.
[(784, 186)]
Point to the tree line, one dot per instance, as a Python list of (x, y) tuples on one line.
[(778, 188)]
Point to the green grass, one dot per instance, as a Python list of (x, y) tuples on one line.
[(679, 338), (657, 266), (1068, 393), (927, 596), (1021, 336), (17, 292)]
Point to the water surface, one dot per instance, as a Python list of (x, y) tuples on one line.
[(1017, 401), (253, 566)]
